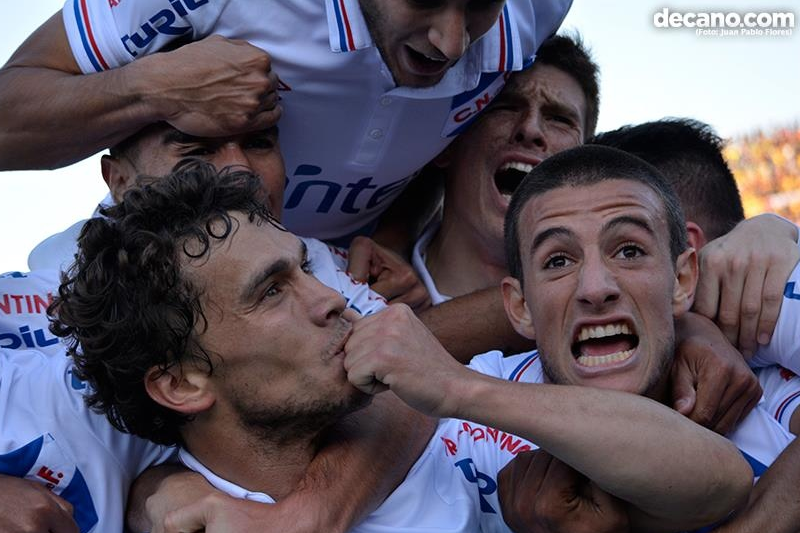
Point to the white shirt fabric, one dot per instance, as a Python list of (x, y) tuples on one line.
[(418, 258), (759, 437), (781, 393), (47, 434), (451, 488), (351, 138), (24, 298), (784, 346)]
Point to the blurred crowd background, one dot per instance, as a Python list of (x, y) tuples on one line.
[(766, 165)]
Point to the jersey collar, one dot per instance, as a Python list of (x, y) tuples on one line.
[(499, 50)]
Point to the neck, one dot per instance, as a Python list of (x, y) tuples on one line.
[(461, 262), (250, 459)]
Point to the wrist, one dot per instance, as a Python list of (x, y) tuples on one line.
[(143, 82)]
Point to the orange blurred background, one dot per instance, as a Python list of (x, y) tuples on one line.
[(767, 170)]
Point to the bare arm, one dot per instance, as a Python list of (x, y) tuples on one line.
[(774, 504), (633, 448), (472, 324), (362, 461), (209, 88)]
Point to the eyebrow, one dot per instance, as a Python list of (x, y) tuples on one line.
[(561, 231), (178, 137), (549, 233), (277, 267), (628, 219)]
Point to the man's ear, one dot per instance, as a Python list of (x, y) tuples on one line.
[(696, 235), (184, 390), (686, 273), (516, 309), (118, 175)]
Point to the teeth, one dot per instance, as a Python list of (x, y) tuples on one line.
[(598, 332), (517, 165), (586, 360)]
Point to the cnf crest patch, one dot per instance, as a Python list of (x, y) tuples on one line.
[(465, 107)]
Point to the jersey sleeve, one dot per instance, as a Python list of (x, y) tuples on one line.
[(107, 34), (784, 347)]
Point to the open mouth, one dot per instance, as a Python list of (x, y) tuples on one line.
[(509, 176), (426, 65), (604, 345)]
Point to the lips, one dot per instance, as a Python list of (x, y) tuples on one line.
[(602, 345), (509, 175), (422, 64)]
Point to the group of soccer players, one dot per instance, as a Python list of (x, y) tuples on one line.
[(183, 358)]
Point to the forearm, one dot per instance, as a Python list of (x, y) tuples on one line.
[(359, 464), (474, 324), (774, 504), (633, 448), (56, 116), (51, 127)]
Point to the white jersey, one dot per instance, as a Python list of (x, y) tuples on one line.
[(47, 434), (759, 437), (24, 298), (784, 346), (351, 138), (451, 488), (418, 262), (781, 393)]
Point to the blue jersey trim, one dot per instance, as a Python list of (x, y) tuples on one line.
[(84, 40), (19, 462)]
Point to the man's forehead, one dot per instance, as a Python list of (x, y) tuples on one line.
[(602, 200), (246, 242)]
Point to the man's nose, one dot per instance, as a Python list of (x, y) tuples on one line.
[(598, 284), (448, 32)]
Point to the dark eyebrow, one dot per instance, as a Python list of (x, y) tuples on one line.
[(549, 233), (178, 137), (279, 266), (628, 219)]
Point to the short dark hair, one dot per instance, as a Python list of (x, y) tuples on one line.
[(125, 306), (569, 54), (583, 166), (689, 153)]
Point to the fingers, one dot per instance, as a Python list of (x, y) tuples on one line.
[(683, 388), (187, 519), (710, 391), (740, 397), (359, 259), (706, 300), (730, 304), (751, 309)]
